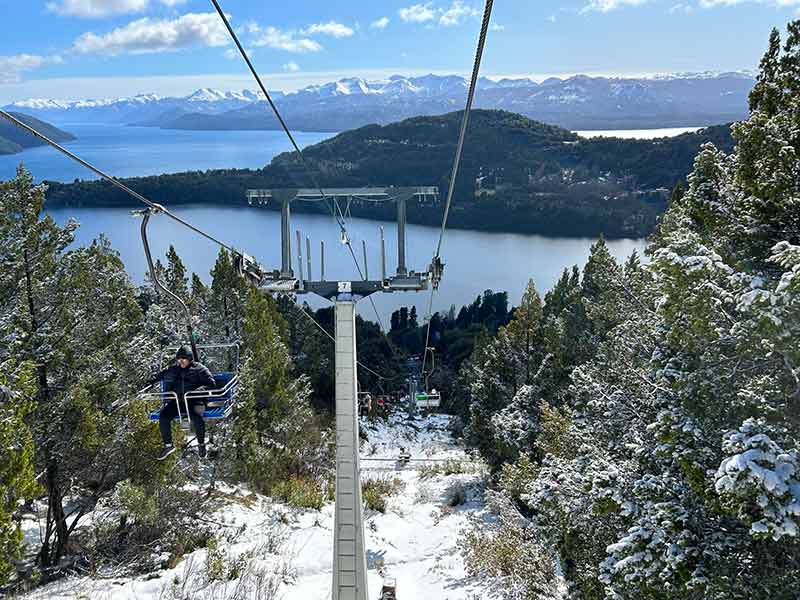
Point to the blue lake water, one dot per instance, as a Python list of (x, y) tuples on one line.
[(124, 151), (475, 261)]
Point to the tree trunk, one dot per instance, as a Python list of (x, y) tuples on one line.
[(50, 554)]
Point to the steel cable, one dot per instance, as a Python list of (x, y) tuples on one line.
[(338, 217), (487, 15)]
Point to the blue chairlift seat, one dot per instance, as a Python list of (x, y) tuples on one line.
[(218, 406)]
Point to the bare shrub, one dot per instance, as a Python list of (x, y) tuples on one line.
[(375, 491)]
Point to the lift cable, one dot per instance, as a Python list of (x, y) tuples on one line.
[(338, 217), (114, 181), (333, 339), (487, 15)]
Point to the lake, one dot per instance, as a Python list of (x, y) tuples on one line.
[(637, 134), (475, 261), (123, 151)]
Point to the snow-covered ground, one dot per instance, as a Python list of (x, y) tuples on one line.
[(286, 553)]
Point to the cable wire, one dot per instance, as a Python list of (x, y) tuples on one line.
[(333, 339), (113, 180), (487, 15), (476, 67), (338, 217)]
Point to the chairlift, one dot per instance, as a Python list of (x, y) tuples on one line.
[(428, 398), (220, 401)]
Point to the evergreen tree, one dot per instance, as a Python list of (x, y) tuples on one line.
[(768, 90), (75, 316), (175, 278), (496, 375), (17, 480), (403, 319), (721, 382), (198, 306), (273, 433), (226, 299)]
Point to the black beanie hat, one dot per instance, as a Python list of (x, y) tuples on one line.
[(184, 352)]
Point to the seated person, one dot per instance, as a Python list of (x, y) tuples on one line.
[(186, 375)]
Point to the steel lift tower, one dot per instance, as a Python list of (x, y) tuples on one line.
[(349, 552)]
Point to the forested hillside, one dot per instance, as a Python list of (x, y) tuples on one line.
[(13, 139), (516, 175), (641, 420)]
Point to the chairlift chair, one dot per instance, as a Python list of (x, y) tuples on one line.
[(428, 400), (219, 402)]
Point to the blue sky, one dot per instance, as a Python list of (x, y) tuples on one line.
[(102, 48)]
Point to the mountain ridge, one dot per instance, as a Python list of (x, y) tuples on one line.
[(576, 102), (14, 140)]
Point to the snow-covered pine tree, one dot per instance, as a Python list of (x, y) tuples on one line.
[(74, 315), (716, 507), (496, 374)]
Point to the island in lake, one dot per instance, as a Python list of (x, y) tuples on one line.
[(517, 175)]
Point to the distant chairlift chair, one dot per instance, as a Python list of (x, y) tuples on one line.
[(428, 400)]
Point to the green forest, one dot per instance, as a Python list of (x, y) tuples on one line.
[(541, 178)]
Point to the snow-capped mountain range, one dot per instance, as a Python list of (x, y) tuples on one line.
[(581, 102)]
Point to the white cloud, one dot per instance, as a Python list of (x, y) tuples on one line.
[(453, 15), (456, 14), (12, 67), (551, 19), (381, 23), (94, 9), (418, 13), (681, 8), (496, 27), (331, 28), (605, 6), (777, 3), (272, 37), (146, 36), (291, 67)]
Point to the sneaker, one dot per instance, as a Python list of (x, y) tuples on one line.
[(201, 450), (165, 452)]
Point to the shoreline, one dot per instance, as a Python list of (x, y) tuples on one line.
[(525, 229)]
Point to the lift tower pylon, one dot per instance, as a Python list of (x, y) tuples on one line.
[(349, 546)]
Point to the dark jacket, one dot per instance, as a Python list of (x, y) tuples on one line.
[(194, 377)]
